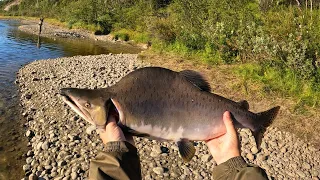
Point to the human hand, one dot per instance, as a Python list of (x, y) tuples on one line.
[(113, 132), (226, 146)]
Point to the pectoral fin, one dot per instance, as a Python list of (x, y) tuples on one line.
[(186, 150)]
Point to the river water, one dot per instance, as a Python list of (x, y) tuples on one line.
[(18, 48)]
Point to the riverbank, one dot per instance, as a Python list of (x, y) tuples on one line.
[(61, 144), (53, 29)]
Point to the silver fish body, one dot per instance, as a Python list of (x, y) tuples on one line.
[(177, 106)]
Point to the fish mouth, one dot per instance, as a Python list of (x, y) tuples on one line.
[(69, 100)]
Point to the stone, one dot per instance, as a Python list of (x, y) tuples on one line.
[(29, 160), (254, 150), (314, 173), (33, 177), (29, 133), (48, 167), (74, 175), (306, 166), (154, 154), (301, 173), (156, 149), (250, 156), (45, 145), (158, 170), (39, 146), (206, 158), (26, 167), (30, 153), (283, 150), (90, 129), (62, 163)]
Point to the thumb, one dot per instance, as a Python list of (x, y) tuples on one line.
[(228, 122)]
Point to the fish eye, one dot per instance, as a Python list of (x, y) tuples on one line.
[(87, 105)]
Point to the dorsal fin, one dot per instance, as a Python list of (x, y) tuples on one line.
[(196, 79), (244, 104)]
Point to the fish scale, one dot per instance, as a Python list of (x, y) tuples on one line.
[(163, 104)]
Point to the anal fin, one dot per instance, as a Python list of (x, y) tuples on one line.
[(186, 150)]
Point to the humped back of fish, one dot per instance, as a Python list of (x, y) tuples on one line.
[(178, 106)]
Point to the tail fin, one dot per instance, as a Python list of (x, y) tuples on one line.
[(266, 118)]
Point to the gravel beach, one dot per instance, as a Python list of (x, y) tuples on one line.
[(62, 144)]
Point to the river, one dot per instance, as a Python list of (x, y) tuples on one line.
[(16, 49)]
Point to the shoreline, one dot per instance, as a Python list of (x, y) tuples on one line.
[(51, 30), (62, 144)]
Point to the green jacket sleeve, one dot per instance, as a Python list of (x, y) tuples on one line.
[(120, 161), (237, 169)]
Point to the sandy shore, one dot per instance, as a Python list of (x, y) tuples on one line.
[(62, 144)]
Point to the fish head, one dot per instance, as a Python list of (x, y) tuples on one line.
[(91, 105)]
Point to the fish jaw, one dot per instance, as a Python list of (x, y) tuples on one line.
[(75, 108)]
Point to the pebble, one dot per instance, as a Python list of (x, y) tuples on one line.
[(74, 175), (254, 150), (90, 129), (250, 156), (283, 150), (33, 177), (39, 145), (29, 133), (45, 145), (158, 170), (306, 166), (62, 163), (205, 158), (26, 167), (301, 174)]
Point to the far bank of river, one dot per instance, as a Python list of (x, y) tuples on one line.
[(18, 48)]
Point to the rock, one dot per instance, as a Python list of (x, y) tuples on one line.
[(45, 145), (156, 149), (283, 150), (301, 174), (250, 156), (26, 167), (48, 167), (29, 134), (205, 158), (28, 96), (154, 154), (33, 177), (306, 166), (90, 129), (158, 170), (315, 173), (62, 163), (29, 160), (30, 153), (254, 150), (39, 145), (74, 175)]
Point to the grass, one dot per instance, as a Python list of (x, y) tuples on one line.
[(283, 82), (126, 35)]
